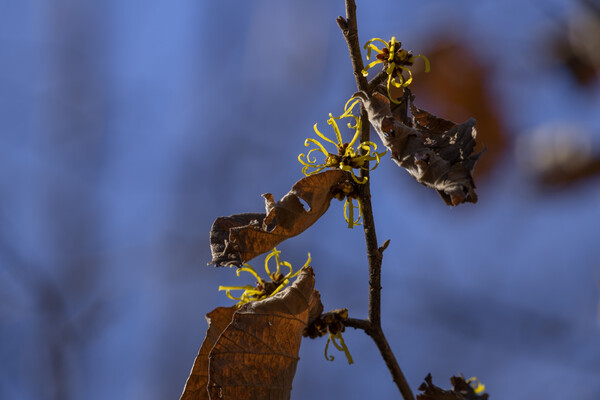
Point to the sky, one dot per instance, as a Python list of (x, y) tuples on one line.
[(127, 127)]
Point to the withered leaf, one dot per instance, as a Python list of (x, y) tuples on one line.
[(461, 390), (196, 385), (436, 152), (256, 355), (239, 238), (468, 93), (253, 350)]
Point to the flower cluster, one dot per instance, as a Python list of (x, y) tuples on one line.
[(476, 384), (348, 191), (395, 60), (345, 158), (263, 288), (330, 323)]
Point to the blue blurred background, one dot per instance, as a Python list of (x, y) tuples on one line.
[(127, 127)]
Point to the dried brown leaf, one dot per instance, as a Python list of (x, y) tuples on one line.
[(436, 152), (196, 385), (252, 352), (468, 93), (461, 390), (239, 238), (256, 356)]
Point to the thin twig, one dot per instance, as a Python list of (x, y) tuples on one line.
[(372, 326), (363, 324)]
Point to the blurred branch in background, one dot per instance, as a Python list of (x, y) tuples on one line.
[(60, 327), (64, 299)]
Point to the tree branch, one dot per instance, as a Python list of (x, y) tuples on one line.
[(372, 326)]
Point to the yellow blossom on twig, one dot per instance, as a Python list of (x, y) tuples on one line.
[(395, 60), (263, 288), (341, 347), (346, 157), (476, 384), (348, 191)]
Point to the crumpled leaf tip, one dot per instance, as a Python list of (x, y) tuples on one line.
[(236, 239)]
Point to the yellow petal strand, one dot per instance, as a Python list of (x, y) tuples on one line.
[(390, 69), (355, 178), (337, 346), (367, 146), (328, 358), (357, 222), (275, 253), (318, 144), (392, 48), (338, 135), (410, 78), (285, 282), (376, 163), (397, 84), (376, 40), (278, 261), (357, 125), (378, 156), (370, 47), (360, 160), (307, 263), (346, 211), (350, 218), (295, 274), (316, 171), (246, 287), (356, 135), (345, 348), (371, 65), (322, 137), (348, 109), (228, 293), (301, 161), (287, 264), (314, 159), (388, 91), (427, 65), (308, 162), (248, 268)]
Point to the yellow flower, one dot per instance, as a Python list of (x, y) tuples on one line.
[(476, 384), (347, 191), (346, 157), (341, 347), (264, 289), (395, 60)]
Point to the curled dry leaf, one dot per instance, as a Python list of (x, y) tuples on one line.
[(255, 353), (239, 238), (461, 390), (436, 152), (195, 387)]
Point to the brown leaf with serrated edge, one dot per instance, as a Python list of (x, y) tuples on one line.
[(196, 385), (436, 152), (461, 390), (239, 238), (256, 356)]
